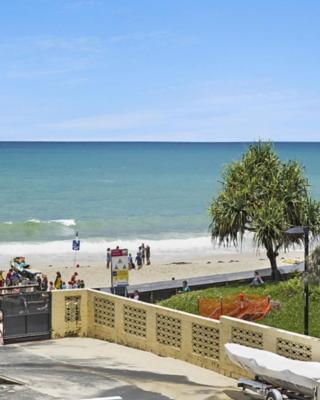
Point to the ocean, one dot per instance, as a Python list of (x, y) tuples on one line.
[(117, 192)]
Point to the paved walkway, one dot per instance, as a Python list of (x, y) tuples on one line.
[(217, 279), (79, 368)]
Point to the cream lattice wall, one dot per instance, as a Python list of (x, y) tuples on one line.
[(104, 311), (170, 333), (205, 341), (135, 321), (168, 330), (72, 311)]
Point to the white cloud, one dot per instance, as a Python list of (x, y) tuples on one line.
[(43, 57), (220, 117), (212, 112), (109, 122), (41, 73), (79, 44), (34, 44), (140, 36)]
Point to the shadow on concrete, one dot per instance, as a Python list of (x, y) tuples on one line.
[(241, 395)]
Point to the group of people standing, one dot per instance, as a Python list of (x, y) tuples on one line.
[(12, 278), (73, 283), (142, 257)]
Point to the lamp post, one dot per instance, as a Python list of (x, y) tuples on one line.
[(298, 230)]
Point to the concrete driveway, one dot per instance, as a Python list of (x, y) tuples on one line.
[(79, 368)]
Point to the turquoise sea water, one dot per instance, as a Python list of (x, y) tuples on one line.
[(119, 190)]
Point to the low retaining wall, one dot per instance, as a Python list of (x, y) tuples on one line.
[(170, 333)]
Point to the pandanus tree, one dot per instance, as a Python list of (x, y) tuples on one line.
[(314, 266), (265, 196)]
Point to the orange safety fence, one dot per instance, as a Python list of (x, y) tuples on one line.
[(243, 306)]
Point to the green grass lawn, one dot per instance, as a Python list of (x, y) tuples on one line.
[(289, 293)]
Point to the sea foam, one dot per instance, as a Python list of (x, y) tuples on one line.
[(65, 222), (182, 249)]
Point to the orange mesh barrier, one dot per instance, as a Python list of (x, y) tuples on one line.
[(248, 307)]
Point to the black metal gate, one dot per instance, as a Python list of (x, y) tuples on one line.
[(26, 316)]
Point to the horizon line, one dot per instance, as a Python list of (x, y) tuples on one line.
[(159, 141)]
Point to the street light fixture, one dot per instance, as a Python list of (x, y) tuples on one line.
[(299, 230)]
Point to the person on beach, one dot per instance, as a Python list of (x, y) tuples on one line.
[(257, 280), (136, 295), (185, 288), (143, 254), (39, 282), (50, 287), (63, 285), (108, 258), (44, 283), (77, 284), (130, 262), (148, 255), (139, 260), (15, 279), (58, 281), (9, 277), (70, 285), (73, 278)]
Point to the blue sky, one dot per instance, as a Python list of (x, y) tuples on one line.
[(159, 70)]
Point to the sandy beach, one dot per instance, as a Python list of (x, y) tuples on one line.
[(92, 268)]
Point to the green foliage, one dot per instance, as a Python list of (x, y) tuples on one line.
[(314, 266), (263, 195), (289, 294)]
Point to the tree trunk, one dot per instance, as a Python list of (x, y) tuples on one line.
[(275, 273)]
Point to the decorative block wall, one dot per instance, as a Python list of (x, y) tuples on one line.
[(170, 333)]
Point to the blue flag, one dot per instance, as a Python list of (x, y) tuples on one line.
[(76, 244)]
